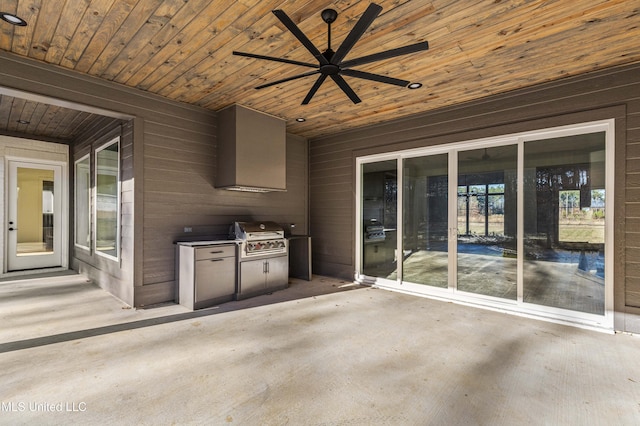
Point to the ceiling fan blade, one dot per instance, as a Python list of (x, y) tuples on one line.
[(346, 88), (375, 77), (392, 53), (271, 58), (357, 31), (314, 89), (291, 26), (295, 77)]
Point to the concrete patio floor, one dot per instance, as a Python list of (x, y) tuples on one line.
[(319, 353)]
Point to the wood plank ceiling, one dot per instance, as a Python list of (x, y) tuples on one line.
[(182, 49), (23, 117)]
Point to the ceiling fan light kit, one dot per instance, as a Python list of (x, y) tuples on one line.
[(332, 64)]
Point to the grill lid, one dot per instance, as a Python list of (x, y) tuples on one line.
[(252, 230)]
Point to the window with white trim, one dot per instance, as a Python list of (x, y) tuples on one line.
[(82, 196), (107, 200)]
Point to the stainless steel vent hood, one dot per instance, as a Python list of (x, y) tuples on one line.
[(251, 151)]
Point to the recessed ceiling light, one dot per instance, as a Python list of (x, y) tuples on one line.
[(13, 19), (23, 122), (414, 85), (301, 119)]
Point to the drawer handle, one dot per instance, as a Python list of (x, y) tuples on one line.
[(216, 252), (217, 260)]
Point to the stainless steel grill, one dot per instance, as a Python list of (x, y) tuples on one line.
[(263, 261), (259, 239), (374, 231)]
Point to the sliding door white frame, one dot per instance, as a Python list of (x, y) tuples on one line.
[(517, 306)]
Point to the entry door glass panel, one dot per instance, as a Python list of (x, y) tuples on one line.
[(379, 217), (487, 221), (34, 216), (564, 238), (35, 211), (425, 220)]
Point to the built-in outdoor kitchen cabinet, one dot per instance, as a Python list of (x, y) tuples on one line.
[(263, 275), (207, 274)]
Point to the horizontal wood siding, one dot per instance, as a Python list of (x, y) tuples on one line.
[(610, 93), (173, 173), (632, 201), (180, 193)]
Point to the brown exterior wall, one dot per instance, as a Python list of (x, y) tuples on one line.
[(179, 184), (612, 93), (170, 172)]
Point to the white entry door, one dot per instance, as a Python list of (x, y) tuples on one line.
[(35, 209)]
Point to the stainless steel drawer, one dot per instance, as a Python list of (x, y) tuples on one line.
[(214, 278), (215, 251)]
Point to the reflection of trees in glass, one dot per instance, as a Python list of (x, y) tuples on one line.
[(597, 204), (390, 201), (569, 204), (597, 198)]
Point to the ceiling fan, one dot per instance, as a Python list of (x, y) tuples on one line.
[(332, 64)]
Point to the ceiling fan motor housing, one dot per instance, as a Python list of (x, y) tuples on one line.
[(329, 16), (330, 69)]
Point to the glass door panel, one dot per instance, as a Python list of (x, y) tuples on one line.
[(529, 218), (425, 220), (564, 240), (379, 219), (35, 211), (487, 221), (34, 223)]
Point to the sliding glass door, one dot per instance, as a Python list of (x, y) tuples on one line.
[(425, 242), (522, 221), (487, 221), (379, 219), (564, 232)]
